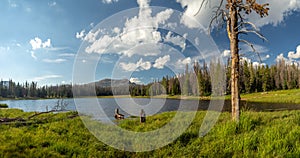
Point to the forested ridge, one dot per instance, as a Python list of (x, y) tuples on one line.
[(32, 90), (194, 81), (197, 80)]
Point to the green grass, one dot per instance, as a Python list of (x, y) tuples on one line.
[(282, 96), (258, 134)]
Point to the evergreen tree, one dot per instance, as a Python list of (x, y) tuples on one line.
[(247, 77), (186, 79)]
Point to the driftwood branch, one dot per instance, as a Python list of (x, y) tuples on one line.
[(40, 113), (59, 107), (11, 119), (29, 120)]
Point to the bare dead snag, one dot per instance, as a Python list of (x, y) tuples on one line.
[(236, 24)]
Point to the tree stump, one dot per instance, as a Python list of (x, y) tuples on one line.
[(143, 116)]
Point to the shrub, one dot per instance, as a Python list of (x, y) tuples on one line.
[(3, 106)]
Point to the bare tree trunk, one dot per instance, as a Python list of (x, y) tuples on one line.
[(233, 29), (233, 37)]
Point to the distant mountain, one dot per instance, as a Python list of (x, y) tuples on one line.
[(105, 87), (105, 83)]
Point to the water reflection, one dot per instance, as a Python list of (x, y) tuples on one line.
[(108, 105)]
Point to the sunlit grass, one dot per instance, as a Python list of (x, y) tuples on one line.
[(258, 134), (283, 96)]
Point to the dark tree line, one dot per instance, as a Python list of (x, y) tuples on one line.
[(197, 80), (264, 78), (31, 90)]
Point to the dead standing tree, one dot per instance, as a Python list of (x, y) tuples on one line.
[(232, 14)]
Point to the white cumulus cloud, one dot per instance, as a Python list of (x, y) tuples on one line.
[(33, 55), (176, 40), (226, 53), (37, 43), (278, 11), (66, 55), (265, 57), (161, 62), (249, 61), (46, 77), (140, 65), (143, 65), (185, 61), (256, 64), (91, 36), (46, 44), (135, 80), (280, 57), (101, 45), (122, 40), (116, 30), (109, 1), (180, 64), (54, 60), (80, 35), (294, 55), (128, 67)]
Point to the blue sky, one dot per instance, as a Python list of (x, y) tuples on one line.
[(40, 39)]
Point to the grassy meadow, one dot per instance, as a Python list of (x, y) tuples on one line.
[(283, 96), (258, 134)]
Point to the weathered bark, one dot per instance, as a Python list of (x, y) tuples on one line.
[(232, 30), (235, 22)]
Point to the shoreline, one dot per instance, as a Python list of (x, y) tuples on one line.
[(276, 97)]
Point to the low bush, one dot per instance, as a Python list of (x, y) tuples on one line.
[(3, 106)]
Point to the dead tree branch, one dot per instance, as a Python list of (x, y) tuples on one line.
[(252, 47), (245, 31)]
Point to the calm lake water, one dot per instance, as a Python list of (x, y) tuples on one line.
[(103, 108)]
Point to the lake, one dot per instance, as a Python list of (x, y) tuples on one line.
[(103, 108)]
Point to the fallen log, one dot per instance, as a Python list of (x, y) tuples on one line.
[(11, 119), (46, 112), (29, 120)]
